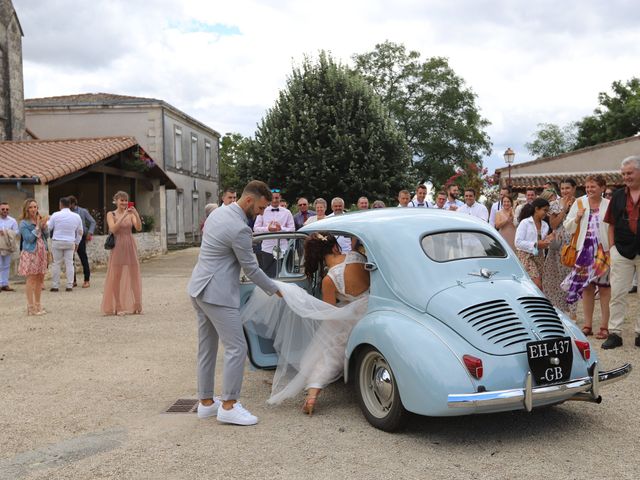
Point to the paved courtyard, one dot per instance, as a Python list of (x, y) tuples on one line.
[(83, 396)]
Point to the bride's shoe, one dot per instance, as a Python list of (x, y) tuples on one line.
[(309, 405)]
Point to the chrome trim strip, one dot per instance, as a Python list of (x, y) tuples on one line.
[(519, 398)]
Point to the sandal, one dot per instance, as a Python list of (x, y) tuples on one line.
[(309, 405), (587, 331), (602, 334)]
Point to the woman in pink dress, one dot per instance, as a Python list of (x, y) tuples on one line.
[(123, 285), (34, 259), (504, 222)]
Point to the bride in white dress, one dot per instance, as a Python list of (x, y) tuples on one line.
[(309, 334)]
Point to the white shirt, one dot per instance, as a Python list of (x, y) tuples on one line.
[(497, 206), (527, 235), (449, 203), (415, 204), (344, 242), (66, 226), (274, 214), (9, 223), (477, 210)]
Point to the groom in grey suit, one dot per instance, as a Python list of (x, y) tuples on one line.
[(215, 294)]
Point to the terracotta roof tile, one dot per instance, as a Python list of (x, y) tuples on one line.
[(47, 160), (522, 181)]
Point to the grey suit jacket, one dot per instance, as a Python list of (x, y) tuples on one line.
[(226, 246)]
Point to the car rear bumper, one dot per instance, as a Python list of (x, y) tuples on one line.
[(585, 388)]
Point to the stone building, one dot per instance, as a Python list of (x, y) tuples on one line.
[(12, 123), (185, 148)]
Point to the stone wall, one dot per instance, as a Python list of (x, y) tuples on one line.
[(148, 246)]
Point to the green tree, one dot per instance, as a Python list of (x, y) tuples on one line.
[(431, 105), (234, 151), (618, 115), (551, 140), (328, 135)]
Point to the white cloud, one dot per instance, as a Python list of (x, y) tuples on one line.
[(528, 62)]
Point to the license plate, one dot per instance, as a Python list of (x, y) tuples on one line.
[(550, 361)]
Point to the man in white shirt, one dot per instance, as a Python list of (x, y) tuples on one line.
[(497, 206), (403, 198), (471, 207), (67, 233), (421, 198), (452, 202), (337, 208), (441, 200), (8, 244), (274, 219), (229, 196)]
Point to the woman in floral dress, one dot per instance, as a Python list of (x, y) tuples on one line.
[(554, 271), (33, 258), (592, 265)]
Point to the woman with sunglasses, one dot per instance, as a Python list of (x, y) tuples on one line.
[(554, 271)]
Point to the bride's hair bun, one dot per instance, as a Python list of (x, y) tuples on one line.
[(316, 246)]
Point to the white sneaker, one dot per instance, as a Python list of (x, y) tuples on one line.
[(205, 411), (237, 415)]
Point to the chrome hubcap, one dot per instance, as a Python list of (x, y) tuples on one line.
[(376, 384)]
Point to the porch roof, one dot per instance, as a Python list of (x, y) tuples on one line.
[(43, 161), (523, 181)]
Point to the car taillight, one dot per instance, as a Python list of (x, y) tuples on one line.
[(584, 348), (474, 365)]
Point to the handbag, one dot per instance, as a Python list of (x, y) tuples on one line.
[(110, 242), (569, 254)]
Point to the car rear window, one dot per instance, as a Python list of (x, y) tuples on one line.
[(448, 246)]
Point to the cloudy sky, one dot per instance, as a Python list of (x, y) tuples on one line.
[(224, 62)]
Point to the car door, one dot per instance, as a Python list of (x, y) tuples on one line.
[(280, 256)]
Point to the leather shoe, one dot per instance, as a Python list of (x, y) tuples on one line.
[(7, 288), (86, 284), (634, 289), (53, 289), (612, 341), (638, 340)]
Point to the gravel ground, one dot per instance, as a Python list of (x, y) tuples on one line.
[(83, 397)]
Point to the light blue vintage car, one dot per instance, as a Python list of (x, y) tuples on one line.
[(454, 324)]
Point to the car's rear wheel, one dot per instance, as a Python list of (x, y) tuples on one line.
[(378, 393)]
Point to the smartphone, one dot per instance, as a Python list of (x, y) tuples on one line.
[(131, 204)]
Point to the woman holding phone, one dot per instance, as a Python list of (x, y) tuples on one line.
[(123, 285), (33, 258)]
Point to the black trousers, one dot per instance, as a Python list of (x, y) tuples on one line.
[(82, 253)]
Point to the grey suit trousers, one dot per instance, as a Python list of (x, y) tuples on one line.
[(215, 323)]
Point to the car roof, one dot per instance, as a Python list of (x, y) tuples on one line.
[(392, 239), (402, 222)]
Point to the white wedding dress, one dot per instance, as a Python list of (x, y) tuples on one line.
[(309, 335)]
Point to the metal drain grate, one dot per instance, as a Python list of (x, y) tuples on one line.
[(184, 405)]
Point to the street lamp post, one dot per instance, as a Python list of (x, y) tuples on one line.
[(509, 156)]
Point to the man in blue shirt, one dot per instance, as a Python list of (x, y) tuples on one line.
[(88, 227)]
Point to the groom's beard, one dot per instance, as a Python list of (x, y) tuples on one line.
[(249, 213)]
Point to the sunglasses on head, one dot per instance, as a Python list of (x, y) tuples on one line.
[(275, 190)]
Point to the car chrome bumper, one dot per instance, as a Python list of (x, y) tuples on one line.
[(585, 388)]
